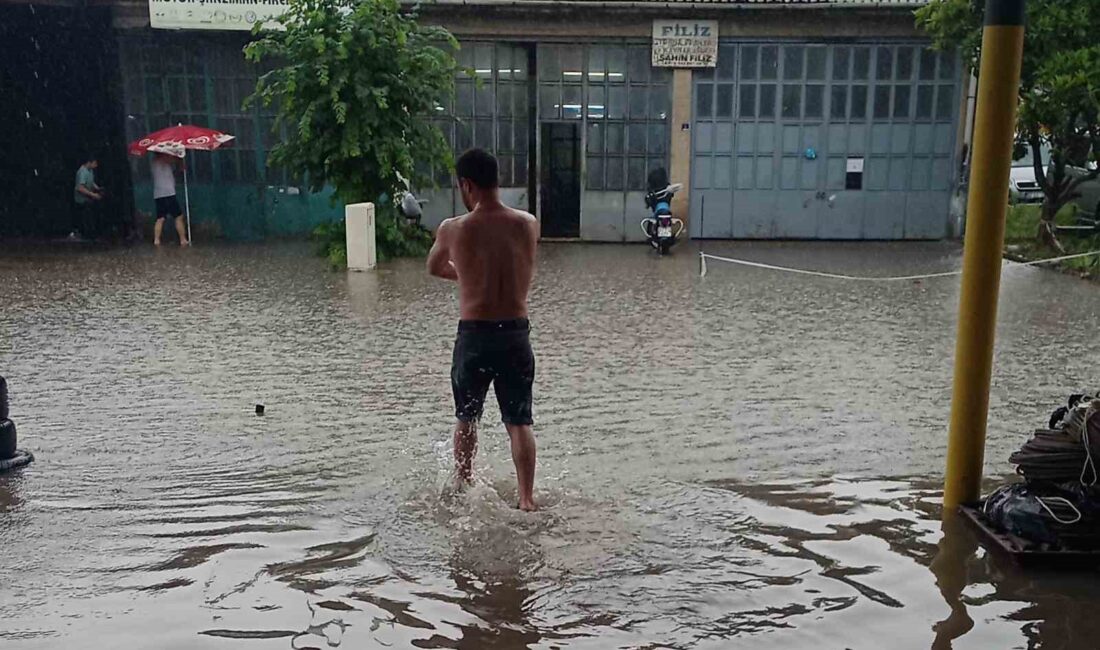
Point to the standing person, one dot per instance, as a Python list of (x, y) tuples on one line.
[(87, 196), (164, 194), (490, 252)]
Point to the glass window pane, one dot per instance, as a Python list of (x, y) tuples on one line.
[(927, 64), (483, 60), (704, 101), (884, 63), (727, 58), (749, 55), (637, 104), (815, 100), (767, 101), (464, 98), (595, 173), (902, 95), (792, 101), (519, 63), (613, 174), (859, 103), (793, 58), (571, 102), (842, 61), (597, 102), (947, 66), (861, 63), (520, 136), (635, 138), (597, 64), (945, 102), (504, 99), (549, 102), (658, 139), (614, 137), (503, 64), (549, 60), (504, 165), (617, 64), (658, 102), (882, 102), (769, 62), (483, 134), (484, 100), (838, 104), (635, 174), (901, 101), (748, 101), (504, 136), (616, 102), (925, 96), (905, 64), (724, 101), (572, 63), (519, 176), (815, 63)]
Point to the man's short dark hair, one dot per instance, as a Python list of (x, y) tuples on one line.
[(479, 167)]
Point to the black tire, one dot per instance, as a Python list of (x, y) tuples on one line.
[(7, 439), (664, 248), (3, 399)]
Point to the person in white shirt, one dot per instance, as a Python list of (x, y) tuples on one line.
[(164, 193)]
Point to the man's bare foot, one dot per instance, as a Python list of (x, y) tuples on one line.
[(185, 243), (527, 506), (156, 242)]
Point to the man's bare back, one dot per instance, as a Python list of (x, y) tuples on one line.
[(492, 250)]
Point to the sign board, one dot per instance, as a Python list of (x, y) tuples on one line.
[(855, 165), (214, 14), (685, 43)]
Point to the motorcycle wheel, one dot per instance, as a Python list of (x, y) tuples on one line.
[(665, 246)]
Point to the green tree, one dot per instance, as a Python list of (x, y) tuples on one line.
[(1059, 88), (354, 84)]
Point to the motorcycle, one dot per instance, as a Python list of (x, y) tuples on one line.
[(661, 229)]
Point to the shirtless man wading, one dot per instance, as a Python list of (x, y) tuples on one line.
[(490, 252)]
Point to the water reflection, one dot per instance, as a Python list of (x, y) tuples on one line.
[(731, 508)]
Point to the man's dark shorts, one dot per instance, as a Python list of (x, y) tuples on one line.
[(168, 207), (497, 352)]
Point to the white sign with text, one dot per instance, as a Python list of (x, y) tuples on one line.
[(215, 14), (685, 43)]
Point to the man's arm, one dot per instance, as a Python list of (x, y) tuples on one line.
[(88, 193), (439, 259)]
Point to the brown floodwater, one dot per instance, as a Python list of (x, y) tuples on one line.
[(747, 460)]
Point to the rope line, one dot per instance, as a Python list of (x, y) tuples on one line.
[(703, 257)]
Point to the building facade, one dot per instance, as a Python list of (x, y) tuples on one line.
[(828, 119)]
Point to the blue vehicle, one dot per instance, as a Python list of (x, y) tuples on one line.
[(661, 228)]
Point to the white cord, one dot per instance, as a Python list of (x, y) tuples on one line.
[(1089, 464), (897, 278), (1042, 502)]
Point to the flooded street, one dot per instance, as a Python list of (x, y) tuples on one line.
[(746, 460)]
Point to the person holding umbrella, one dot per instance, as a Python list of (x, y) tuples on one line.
[(165, 145), (164, 194)]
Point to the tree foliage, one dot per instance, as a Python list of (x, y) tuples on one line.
[(354, 85), (1059, 88)]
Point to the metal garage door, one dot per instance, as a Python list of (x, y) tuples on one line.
[(813, 141)]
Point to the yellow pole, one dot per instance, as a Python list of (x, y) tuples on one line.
[(994, 127)]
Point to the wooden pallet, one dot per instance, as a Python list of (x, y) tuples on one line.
[(1021, 551)]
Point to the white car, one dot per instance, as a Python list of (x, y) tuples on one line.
[(1023, 187)]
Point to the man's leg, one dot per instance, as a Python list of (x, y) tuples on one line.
[(465, 449), (158, 228), (181, 229), (523, 455)]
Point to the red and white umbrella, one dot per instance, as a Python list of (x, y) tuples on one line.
[(175, 141)]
